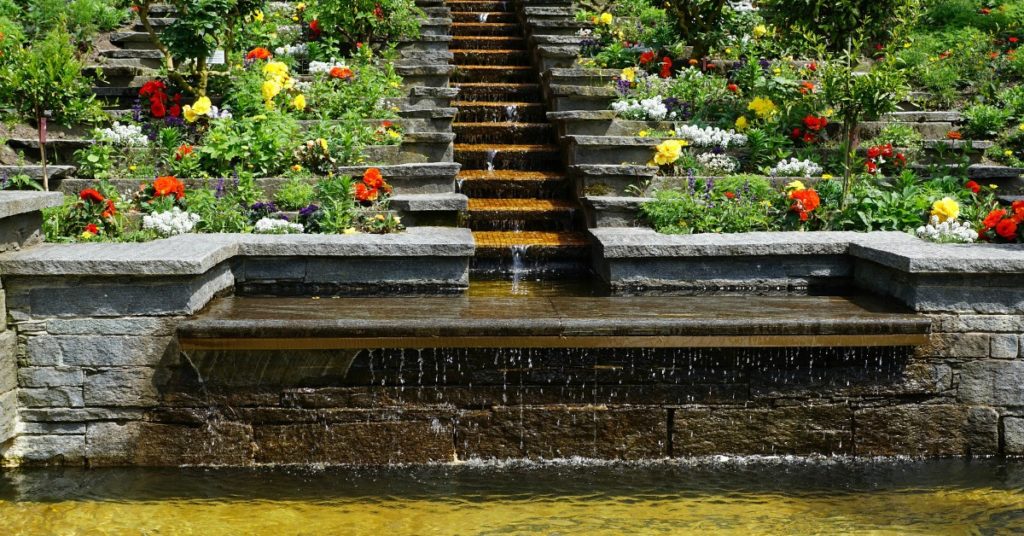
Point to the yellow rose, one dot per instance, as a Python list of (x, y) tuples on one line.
[(270, 90), (299, 103), (606, 19), (760, 30), (764, 108), (629, 74), (742, 123), (945, 209), (668, 152), (795, 186)]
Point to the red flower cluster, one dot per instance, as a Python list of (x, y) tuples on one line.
[(812, 129), (647, 57), (183, 151), (154, 90), (90, 196), (883, 158), (314, 29), (341, 73), (1003, 225), (974, 187), (168, 185), (258, 53), (804, 202), (666, 67), (371, 186)]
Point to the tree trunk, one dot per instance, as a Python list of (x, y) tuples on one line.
[(42, 151)]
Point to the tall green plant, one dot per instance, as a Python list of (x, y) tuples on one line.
[(44, 82), (345, 23), (697, 19), (835, 24)]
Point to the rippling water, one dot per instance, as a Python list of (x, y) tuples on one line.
[(724, 497)]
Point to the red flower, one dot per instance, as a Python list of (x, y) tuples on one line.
[(954, 135), (373, 178), (797, 133), (985, 11), (900, 159), (812, 66), (1018, 211), (158, 109), (993, 218), (872, 167), (175, 110), (874, 152), (804, 202), (1013, 39), (815, 123), (806, 88), (365, 193), (91, 228), (183, 151), (730, 195), (887, 150), (168, 185), (387, 124), (733, 88), (151, 88), (666, 67), (258, 53), (111, 210), (809, 138), (973, 186), (647, 57), (314, 29), (91, 195), (1007, 229), (378, 12), (341, 73)]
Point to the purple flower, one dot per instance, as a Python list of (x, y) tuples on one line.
[(218, 192), (137, 111), (622, 86), (308, 211)]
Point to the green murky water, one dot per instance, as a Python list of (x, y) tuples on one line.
[(726, 497)]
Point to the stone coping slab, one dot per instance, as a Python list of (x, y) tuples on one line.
[(193, 254), (236, 323), (13, 203), (917, 256)]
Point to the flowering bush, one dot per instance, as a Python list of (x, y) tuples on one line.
[(947, 232), (883, 160), (1001, 225), (793, 167), (170, 222)]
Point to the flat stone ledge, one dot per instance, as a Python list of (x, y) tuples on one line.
[(430, 202), (908, 254), (13, 203), (624, 243), (198, 253)]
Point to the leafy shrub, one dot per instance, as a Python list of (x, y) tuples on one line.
[(835, 24), (296, 193), (344, 23), (261, 145), (703, 209), (899, 135), (985, 120)]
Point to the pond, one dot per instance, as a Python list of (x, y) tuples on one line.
[(719, 496)]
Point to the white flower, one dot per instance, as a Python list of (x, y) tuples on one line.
[(278, 226), (170, 223), (652, 109), (710, 136), (123, 135), (292, 50), (216, 113), (324, 66), (796, 168), (947, 232), (717, 163)]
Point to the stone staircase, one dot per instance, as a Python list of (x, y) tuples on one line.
[(520, 201)]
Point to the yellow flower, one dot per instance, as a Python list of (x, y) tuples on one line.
[(379, 217), (270, 90), (728, 51), (764, 108), (643, 133), (777, 71), (606, 19), (133, 167), (296, 19), (275, 69), (350, 230), (296, 167), (826, 176), (669, 151), (1008, 152), (829, 112), (993, 186), (760, 30), (393, 134), (322, 143), (300, 6), (945, 209), (299, 103), (742, 123), (258, 15), (629, 74), (87, 235), (202, 106), (1021, 127), (795, 186), (189, 113)]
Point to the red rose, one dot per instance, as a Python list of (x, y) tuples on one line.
[(1018, 211), (91, 195), (1007, 229), (647, 57), (152, 88), (973, 186), (900, 159), (993, 218)]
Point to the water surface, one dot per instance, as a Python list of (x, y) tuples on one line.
[(724, 497)]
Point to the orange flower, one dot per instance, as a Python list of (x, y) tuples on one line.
[(954, 135), (993, 218), (111, 210), (373, 178), (91, 195), (804, 202), (258, 53), (168, 185), (806, 88), (183, 151), (341, 73), (365, 193)]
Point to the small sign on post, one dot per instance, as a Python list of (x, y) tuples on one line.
[(217, 58)]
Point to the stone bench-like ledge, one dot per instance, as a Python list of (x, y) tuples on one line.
[(194, 254), (21, 217)]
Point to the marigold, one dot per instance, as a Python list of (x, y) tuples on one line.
[(91, 195), (946, 209), (168, 185), (258, 53), (341, 73), (365, 193), (373, 178)]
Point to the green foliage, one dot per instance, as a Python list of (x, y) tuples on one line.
[(48, 78), (344, 23), (82, 19), (221, 210), (261, 145), (901, 204), (296, 193), (697, 21), (838, 25), (337, 208), (359, 96), (899, 135), (985, 121), (706, 209), (19, 181)]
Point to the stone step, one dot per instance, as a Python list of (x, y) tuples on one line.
[(132, 40), (499, 92), (488, 42), (494, 74), (486, 28), (489, 112), (508, 157), (145, 57), (484, 16), (515, 214), (491, 57), (546, 248), (507, 132), (516, 184)]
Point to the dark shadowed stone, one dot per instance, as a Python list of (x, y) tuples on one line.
[(359, 443), (1013, 435), (924, 431), (797, 430), (562, 432), (150, 444)]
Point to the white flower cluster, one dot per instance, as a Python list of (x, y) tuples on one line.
[(278, 226), (170, 223), (947, 232), (742, 5), (323, 66), (123, 135), (292, 50), (710, 136), (796, 168), (717, 163), (652, 109), (585, 32)]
